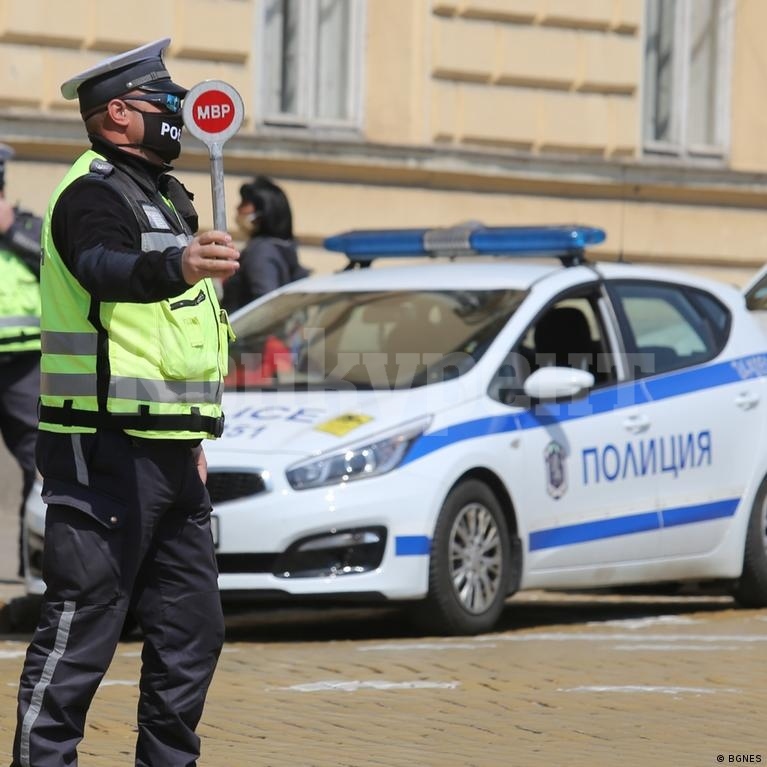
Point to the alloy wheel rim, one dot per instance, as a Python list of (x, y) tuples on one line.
[(475, 558)]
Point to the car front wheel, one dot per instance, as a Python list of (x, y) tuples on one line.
[(469, 564)]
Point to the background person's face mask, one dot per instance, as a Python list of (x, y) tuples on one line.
[(247, 222)]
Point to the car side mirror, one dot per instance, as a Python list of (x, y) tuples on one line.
[(554, 383)]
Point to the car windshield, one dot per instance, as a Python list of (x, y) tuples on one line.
[(365, 340)]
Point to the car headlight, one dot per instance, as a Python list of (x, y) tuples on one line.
[(378, 455)]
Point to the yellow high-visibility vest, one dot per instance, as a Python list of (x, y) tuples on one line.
[(19, 305), (154, 370)]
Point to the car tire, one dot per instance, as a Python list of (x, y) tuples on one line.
[(469, 566), (751, 588)]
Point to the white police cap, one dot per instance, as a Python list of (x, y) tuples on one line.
[(141, 68)]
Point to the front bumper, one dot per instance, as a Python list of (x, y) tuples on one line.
[(368, 540)]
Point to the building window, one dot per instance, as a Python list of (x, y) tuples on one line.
[(312, 57), (687, 68)]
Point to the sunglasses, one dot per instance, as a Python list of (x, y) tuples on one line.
[(169, 101)]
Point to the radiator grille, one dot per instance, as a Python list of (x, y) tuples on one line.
[(230, 485)]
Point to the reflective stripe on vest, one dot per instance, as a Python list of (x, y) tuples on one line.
[(71, 385), (161, 240), (52, 342), (24, 321)]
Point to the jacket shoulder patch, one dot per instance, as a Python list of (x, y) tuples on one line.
[(101, 167)]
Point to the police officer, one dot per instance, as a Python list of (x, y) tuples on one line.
[(19, 334), (134, 349)]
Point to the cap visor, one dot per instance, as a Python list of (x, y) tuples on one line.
[(164, 86)]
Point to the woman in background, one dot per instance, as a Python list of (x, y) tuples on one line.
[(269, 258)]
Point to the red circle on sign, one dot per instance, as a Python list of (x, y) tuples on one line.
[(213, 112)]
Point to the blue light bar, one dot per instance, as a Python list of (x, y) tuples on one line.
[(363, 245)]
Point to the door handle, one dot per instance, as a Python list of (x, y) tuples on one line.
[(637, 423), (747, 400)]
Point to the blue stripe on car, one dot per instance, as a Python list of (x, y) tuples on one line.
[(411, 545), (593, 531), (600, 401), (600, 529), (634, 523), (687, 515), (686, 381)]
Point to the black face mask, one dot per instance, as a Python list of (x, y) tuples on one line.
[(162, 134)]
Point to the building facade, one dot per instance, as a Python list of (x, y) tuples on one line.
[(640, 116)]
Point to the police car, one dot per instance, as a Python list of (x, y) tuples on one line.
[(515, 416)]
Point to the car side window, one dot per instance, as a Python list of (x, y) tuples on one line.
[(668, 327), (756, 295), (569, 333)]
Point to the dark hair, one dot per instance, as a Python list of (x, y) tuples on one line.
[(271, 204)]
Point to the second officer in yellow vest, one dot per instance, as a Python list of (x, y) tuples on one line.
[(19, 335), (134, 350)]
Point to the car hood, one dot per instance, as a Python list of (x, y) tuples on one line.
[(306, 423)]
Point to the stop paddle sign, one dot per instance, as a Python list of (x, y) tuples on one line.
[(213, 113)]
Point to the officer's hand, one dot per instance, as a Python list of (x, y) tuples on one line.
[(7, 216), (210, 254), (202, 463)]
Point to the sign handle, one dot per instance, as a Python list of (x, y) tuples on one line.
[(217, 186)]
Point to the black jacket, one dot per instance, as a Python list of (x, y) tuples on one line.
[(266, 264), (96, 234), (23, 239)]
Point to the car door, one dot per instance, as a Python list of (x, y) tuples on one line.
[(581, 508), (703, 425)]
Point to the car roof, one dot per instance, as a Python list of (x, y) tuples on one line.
[(489, 273), (452, 275)]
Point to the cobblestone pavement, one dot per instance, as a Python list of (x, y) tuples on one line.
[(576, 680), (565, 680)]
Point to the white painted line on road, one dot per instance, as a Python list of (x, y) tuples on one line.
[(608, 637), (12, 654), (353, 686), (679, 647), (423, 646), (137, 653), (640, 623), (649, 688)]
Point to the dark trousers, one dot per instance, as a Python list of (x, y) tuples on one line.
[(127, 527), (19, 392)]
